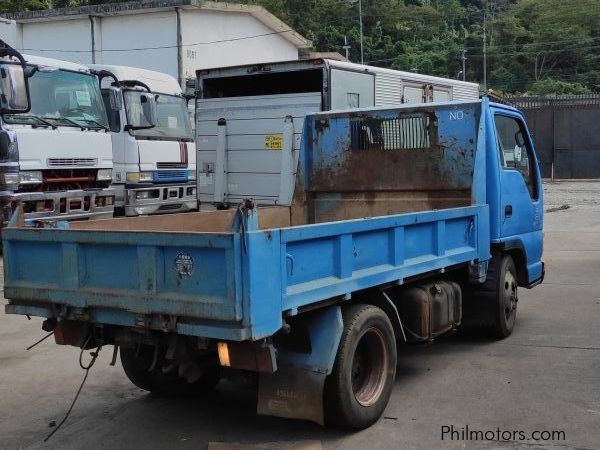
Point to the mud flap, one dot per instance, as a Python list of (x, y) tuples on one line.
[(295, 391), (292, 392)]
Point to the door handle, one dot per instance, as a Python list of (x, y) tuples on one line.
[(508, 211)]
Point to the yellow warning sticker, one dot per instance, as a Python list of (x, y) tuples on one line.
[(274, 141)]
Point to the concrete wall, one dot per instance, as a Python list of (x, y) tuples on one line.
[(69, 40), (119, 34), (149, 40), (8, 31), (209, 26)]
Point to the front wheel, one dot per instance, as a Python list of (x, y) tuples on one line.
[(505, 308), (360, 385), (492, 306)]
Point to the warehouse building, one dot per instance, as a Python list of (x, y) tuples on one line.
[(176, 37)]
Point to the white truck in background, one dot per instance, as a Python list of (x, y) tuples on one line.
[(153, 144), (55, 149), (249, 118)]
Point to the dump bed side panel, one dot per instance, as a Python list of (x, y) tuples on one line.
[(336, 259)]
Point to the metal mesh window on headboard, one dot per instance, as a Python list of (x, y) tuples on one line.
[(412, 131)]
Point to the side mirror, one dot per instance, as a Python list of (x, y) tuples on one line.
[(149, 108), (14, 89), (518, 154), (141, 110), (519, 139), (115, 99)]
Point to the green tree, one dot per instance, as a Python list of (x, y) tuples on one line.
[(23, 5), (552, 86)]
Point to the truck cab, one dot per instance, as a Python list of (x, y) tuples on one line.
[(56, 157), (152, 138), (514, 193)]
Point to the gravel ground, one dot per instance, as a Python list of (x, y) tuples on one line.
[(571, 193)]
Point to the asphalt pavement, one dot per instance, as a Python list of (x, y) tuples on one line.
[(543, 381)]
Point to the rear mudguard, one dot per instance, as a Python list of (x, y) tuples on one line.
[(295, 390)]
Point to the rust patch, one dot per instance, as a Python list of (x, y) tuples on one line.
[(380, 170)]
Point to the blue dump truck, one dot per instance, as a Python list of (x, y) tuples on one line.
[(403, 224)]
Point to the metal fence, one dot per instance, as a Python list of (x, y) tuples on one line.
[(565, 133)]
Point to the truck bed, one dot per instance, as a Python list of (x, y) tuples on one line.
[(197, 277)]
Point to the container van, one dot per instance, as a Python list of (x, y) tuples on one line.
[(246, 115)]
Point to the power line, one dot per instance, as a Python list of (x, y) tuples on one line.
[(566, 41), (476, 55), (494, 54), (241, 38), (536, 52)]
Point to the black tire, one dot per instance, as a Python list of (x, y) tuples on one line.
[(137, 362), (505, 307), (360, 385), (493, 306)]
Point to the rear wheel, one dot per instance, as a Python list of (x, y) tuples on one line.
[(152, 372), (360, 385)]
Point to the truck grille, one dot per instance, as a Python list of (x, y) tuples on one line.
[(64, 162), (171, 207), (172, 175), (67, 179), (171, 165)]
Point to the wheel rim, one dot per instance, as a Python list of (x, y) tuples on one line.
[(510, 296), (369, 367)]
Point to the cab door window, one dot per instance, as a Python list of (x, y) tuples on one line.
[(114, 119), (515, 150)]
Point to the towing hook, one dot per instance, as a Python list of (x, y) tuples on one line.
[(435, 289), (48, 325), (286, 328)]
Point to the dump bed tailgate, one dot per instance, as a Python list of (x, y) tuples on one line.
[(195, 276)]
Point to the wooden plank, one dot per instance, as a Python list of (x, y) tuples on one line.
[(205, 221), (200, 222)]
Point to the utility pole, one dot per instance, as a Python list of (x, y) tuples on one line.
[(464, 64), (347, 48), (485, 48), (362, 49)]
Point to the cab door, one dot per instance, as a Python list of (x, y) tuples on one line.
[(521, 207)]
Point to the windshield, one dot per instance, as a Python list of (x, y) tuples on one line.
[(172, 119), (63, 98)]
